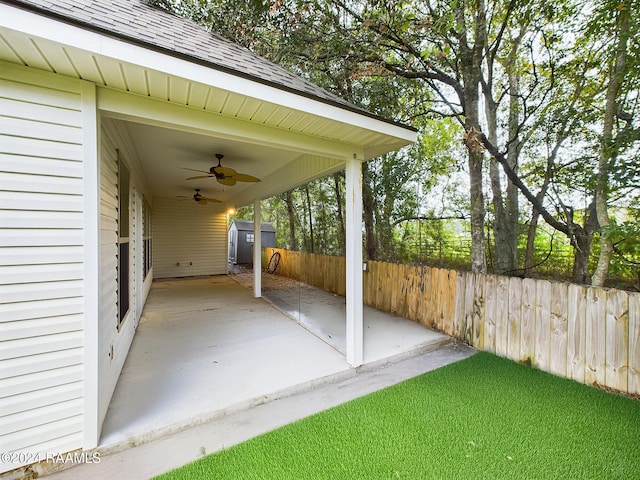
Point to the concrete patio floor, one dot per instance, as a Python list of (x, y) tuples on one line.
[(206, 349)]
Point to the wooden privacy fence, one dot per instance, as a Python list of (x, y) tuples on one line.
[(588, 334)]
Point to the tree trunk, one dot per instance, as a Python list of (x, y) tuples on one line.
[(292, 221), (341, 227), (471, 69), (607, 149), (501, 262), (311, 239), (368, 206), (512, 206), (582, 238)]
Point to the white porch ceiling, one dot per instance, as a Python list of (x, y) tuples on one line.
[(165, 154)]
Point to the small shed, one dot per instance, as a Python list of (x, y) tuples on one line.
[(241, 238)]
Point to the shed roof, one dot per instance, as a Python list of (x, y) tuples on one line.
[(141, 23), (246, 225)]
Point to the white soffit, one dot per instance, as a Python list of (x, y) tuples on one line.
[(30, 39)]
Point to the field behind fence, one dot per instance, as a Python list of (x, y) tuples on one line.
[(589, 334)]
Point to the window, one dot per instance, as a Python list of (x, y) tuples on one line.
[(123, 241), (248, 238)]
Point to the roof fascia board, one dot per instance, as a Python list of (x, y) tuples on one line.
[(150, 111), (40, 26)]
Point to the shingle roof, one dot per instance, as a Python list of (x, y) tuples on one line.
[(138, 22)]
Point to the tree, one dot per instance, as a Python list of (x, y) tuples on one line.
[(616, 16)]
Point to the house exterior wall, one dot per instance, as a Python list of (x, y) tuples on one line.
[(42, 261), (114, 339), (189, 239)]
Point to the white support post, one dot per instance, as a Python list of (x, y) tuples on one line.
[(257, 250), (353, 250)]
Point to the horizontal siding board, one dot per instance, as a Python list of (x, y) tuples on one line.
[(40, 220), (41, 202), (33, 436), (19, 182), (37, 345), (41, 362), (37, 237), (44, 113), (35, 129), (44, 415), (43, 95), (41, 380), (39, 166), (36, 327), (40, 148), (108, 224), (11, 312), (40, 273), (16, 256), (35, 399)]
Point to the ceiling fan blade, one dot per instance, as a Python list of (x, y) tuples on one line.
[(243, 177), (230, 182), (211, 200), (197, 177), (194, 170), (201, 201)]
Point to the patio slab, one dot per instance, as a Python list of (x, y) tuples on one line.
[(205, 347)]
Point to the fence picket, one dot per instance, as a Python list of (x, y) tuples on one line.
[(412, 294), (491, 287), (478, 310), (576, 332), (558, 317), (502, 315), (449, 302), (634, 343), (467, 333), (543, 324), (596, 336), (460, 314), (616, 353), (514, 316), (528, 325)]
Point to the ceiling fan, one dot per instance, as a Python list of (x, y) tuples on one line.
[(224, 175), (199, 198)]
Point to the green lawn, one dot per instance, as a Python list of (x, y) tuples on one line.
[(483, 417)]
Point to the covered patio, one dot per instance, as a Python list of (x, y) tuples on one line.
[(206, 347)]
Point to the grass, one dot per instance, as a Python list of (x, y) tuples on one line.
[(483, 417)]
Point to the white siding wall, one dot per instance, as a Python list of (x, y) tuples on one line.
[(191, 235), (114, 343), (41, 262)]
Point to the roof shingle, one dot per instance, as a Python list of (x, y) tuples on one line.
[(138, 22)]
